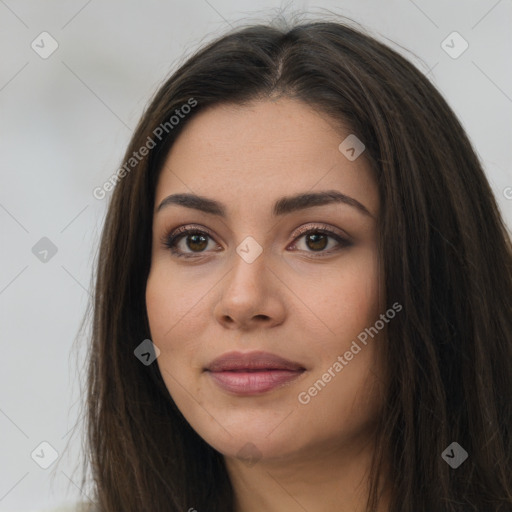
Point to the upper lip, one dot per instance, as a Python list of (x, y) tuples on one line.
[(251, 361)]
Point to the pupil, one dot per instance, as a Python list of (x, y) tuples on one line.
[(194, 241), (314, 238)]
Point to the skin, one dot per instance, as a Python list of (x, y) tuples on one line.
[(307, 309)]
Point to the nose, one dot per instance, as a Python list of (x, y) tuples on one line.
[(251, 295)]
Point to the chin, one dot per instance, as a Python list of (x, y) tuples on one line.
[(246, 437)]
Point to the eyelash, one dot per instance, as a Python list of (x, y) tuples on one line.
[(170, 240)]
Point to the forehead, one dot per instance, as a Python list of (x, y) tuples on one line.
[(252, 154)]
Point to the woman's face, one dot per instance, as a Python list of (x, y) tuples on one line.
[(283, 306)]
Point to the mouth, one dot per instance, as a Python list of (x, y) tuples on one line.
[(252, 373)]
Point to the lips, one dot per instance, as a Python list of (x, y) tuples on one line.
[(252, 373)]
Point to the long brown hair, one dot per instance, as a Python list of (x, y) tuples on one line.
[(447, 259)]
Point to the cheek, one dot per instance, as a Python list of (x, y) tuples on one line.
[(170, 303), (159, 304), (176, 315), (351, 299), (165, 307)]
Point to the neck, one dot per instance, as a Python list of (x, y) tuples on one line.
[(322, 479)]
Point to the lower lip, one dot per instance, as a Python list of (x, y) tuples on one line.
[(251, 383)]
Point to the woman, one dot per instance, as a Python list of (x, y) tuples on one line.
[(303, 297)]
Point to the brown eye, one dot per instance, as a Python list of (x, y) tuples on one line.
[(196, 241), (316, 241)]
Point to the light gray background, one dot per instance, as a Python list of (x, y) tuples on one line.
[(65, 123)]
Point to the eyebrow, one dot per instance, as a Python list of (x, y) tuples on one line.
[(282, 206)]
